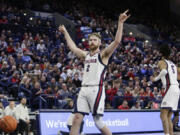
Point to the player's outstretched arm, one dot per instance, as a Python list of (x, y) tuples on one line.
[(107, 52), (77, 51)]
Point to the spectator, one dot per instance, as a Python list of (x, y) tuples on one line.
[(76, 80), (13, 83), (149, 105), (50, 97), (124, 106), (136, 106), (63, 96), (25, 87), (10, 109), (22, 115), (41, 47), (37, 99)]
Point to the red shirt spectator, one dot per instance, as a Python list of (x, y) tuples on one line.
[(4, 20), (111, 93), (10, 49), (142, 94), (124, 106), (128, 95)]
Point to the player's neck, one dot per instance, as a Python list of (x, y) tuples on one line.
[(92, 52), (163, 58)]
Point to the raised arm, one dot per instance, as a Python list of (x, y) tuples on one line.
[(77, 51), (107, 52)]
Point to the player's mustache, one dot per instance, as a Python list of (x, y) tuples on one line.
[(92, 44)]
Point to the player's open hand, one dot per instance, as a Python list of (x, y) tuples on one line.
[(62, 29), (123, 16)]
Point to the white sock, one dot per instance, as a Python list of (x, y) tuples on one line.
[(166, 134)]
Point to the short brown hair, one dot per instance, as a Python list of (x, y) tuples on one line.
[(94, 34)]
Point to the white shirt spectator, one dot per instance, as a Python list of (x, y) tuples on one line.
[(63, 75), (69, 73), (3, 43), (58, 64), (10, 112), (41, 47), (37, 72), (23, 45), (22, 112), (136, 108)]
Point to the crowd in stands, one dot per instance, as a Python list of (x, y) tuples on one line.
[(35, 62)]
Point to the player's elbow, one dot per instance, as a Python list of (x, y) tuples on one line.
[(116, 42), (164, 72)]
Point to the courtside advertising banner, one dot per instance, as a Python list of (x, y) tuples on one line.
[(52, 122)]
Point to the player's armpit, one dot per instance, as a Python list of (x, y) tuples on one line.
[(104, 57)]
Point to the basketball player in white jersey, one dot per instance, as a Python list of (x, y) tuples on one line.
[(92, 94), (169, 76)]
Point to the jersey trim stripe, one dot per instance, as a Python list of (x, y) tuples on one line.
[(100, 60), (98, 98), (167, 84)]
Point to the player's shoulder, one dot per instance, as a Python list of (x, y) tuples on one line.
[(161, 62)]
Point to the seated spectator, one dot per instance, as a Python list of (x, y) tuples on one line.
[(43, 82), (50, 97), (10, 48), (10, 109), (52, 83), (13, 83), (25, 87), (128, 96), (111, 92), (22, 116), (4, 20), (76, 80), (108, 93), (136, 106), (124, 106), (149, 105), (63, 96), (26, 58), (37, 100), (37, 70), (41, 47), (155, 105)]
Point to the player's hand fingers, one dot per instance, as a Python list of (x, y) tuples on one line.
[(126, 11), (128, 16)]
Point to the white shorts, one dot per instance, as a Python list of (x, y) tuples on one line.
[(92, 99), (171, 98)]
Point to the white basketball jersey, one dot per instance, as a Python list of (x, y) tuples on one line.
[(94, 70), (171, 76)]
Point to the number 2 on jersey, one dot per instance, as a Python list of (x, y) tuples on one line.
[(87, 69)]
